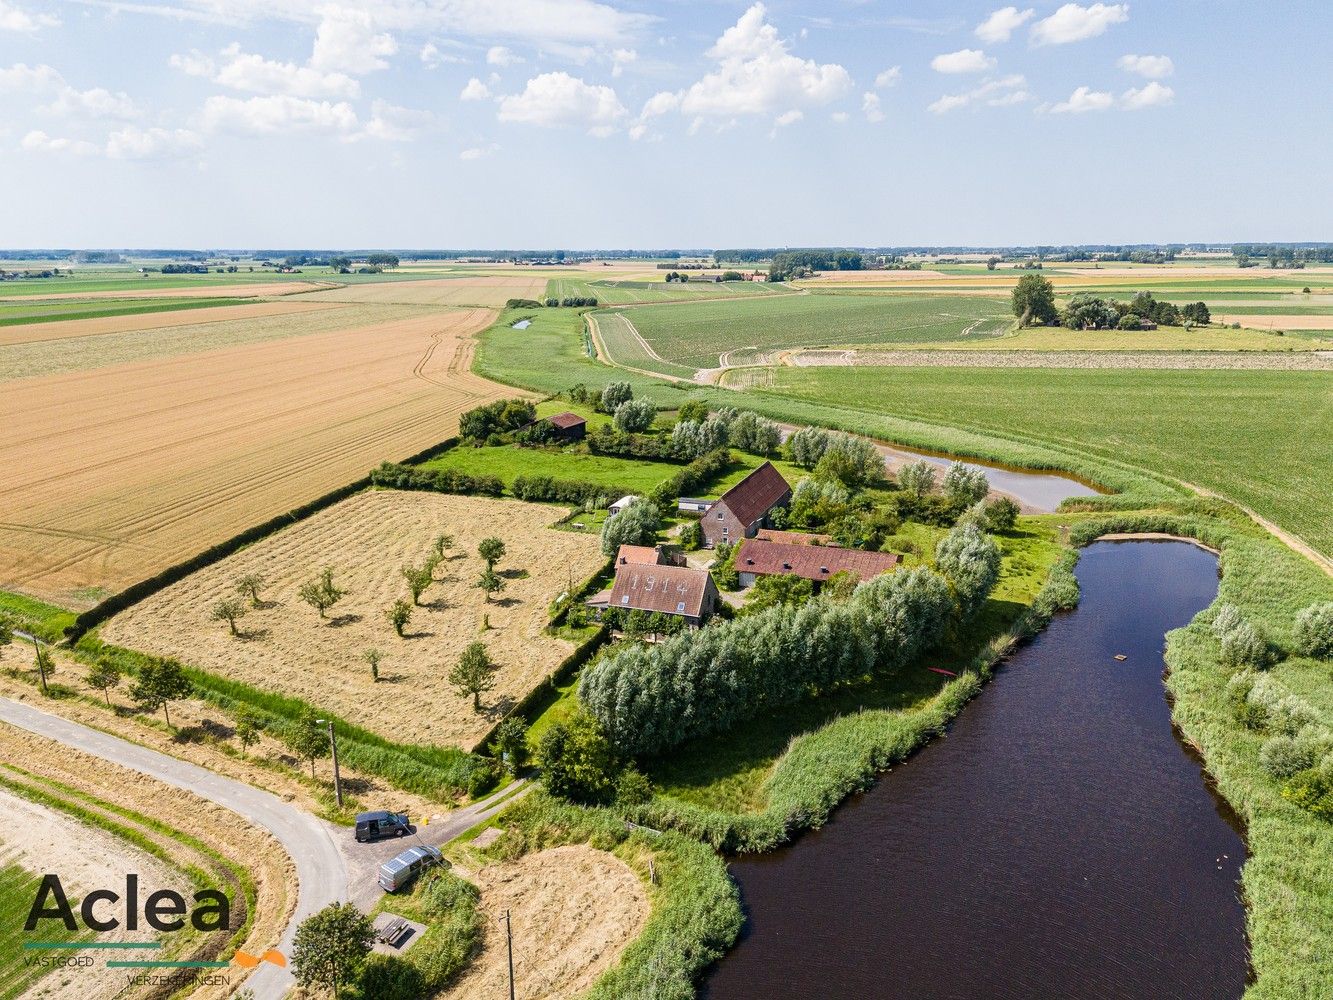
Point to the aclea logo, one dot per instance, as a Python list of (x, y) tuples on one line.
[(163, 909)]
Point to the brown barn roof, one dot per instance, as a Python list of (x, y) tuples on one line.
[(677, 590), (566, 420), (751, 498), (813, 562), (793, 537), (638, 555)]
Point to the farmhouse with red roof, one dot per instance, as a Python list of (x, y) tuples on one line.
[(744, 508)]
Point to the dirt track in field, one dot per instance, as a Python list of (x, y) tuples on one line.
[(264, 288), (574, 910), (366, 539), (472, 290), (115, 473), (30, 333)]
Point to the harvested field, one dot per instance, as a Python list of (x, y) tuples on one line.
[(63, 329), (238, 291), (366, 540), (574, 910), (78, 354), (1266, 360), (131, 468), (243, 846), (873, 277), (1284, 322), (469, 290)]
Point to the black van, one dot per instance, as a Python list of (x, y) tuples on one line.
[(374, 825)]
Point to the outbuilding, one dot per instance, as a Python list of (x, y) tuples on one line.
[(817, 563), (743, 509), (568, 426)]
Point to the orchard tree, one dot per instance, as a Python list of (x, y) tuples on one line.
[(419, 578), (373, 657), (322, 593), (474, 674), (399, 615), (1033, 300), (307, 739), (443, 543), (492, 550), (250, 586), (104, 676), (490, 582), (228, 610), (160, 683), (331, 947)]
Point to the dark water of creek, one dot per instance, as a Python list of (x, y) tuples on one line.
[(1059, 842)]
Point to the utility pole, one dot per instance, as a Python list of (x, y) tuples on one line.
[(509, 942), (333, 747)]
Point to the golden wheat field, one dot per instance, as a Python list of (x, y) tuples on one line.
[(366, 540), (239, 290), (468, 290), (130, 468)]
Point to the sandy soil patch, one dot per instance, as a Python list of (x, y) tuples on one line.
[(158, 291), (366, 539), (470, 290), (243, 845), (1266, 360), (125, 470), (63, 329), (1324, 322), (574, 909)]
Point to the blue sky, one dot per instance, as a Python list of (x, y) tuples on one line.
[(577, 123)]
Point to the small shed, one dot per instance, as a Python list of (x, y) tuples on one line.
[(621, 504), (568, 426)]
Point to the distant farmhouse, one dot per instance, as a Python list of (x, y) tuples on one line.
[(809, 561), (744, 508)]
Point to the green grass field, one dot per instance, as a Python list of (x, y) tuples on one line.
[(18, 888), (25, 313), (696, 334), (1263, 439), (629, 475), (623, 345), (609, 291)]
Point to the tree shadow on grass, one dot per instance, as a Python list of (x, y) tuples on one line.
[(497, 711), (513, 574), (338, 621), (506, 602), (251, 634), (418, 635)]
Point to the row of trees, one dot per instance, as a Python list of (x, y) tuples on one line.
[(1033, 301), (570, 301), (796, 263), (649, 698)]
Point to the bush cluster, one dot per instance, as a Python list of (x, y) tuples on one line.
[(500, 417), (647, 699), (546, 489), (407, 477)]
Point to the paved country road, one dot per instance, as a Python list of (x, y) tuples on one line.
[(312, 843)]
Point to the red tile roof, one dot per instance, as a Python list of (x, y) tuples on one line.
[(813, 562), (753, 496), (565, 420), (638, 555), (677, 590), (793, 537)]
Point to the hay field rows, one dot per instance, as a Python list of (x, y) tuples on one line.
[(465, 290), (696, 333), (133, 467), (85, 353), (630, 291), (366, 539)]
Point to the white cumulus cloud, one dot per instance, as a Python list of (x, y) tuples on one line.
[(962, 61), (134, 143), (1083, 100), (1152, 95), (621, 58), (757, 74), (871, 107), (888, 77), (1002, 24), (478, 152), (1072, 23), (15, 18), (554, 100), (193, 63), (475, 91), (499, 55), (254, 73), (1001, 92), (392, 123), (277, 113), (1153, 67), (346, 42), (39, 142)]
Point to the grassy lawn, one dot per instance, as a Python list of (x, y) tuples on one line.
[(34, 616), (731, 771), (1263, 439), (618, 475), (18, 888), (696, 334)]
